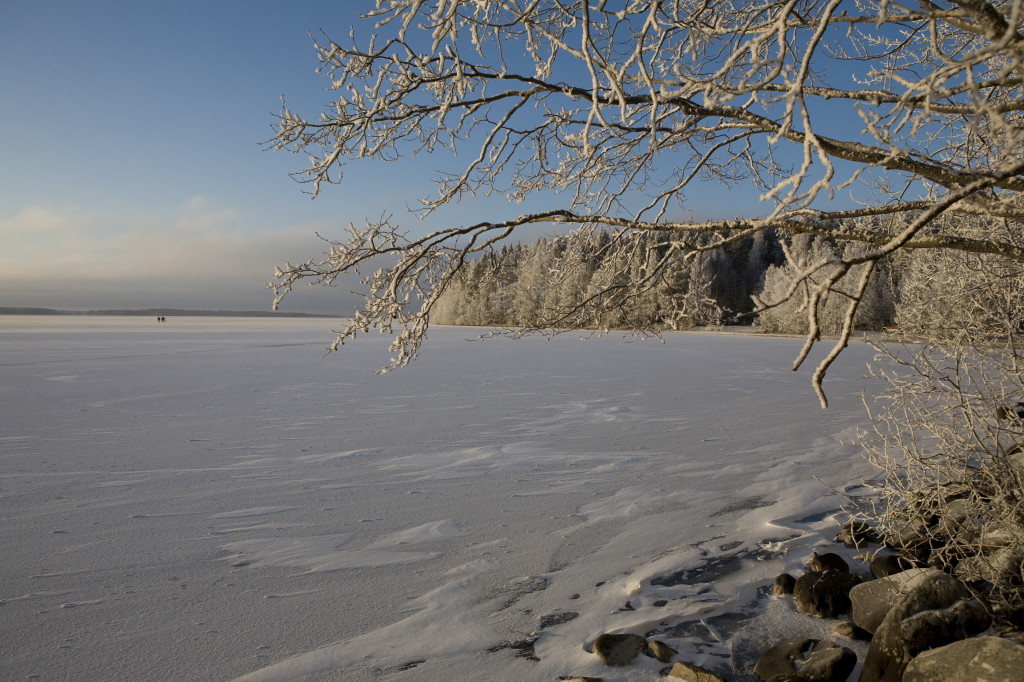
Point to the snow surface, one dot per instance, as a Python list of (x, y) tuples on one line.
[(211, 499)]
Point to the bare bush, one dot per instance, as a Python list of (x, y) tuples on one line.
[(949, 430)]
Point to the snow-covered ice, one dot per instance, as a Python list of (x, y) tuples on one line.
[(211, 499)]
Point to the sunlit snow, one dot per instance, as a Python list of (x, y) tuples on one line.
[(211, 499)]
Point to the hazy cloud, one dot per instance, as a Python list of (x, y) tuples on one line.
[(203, 255)]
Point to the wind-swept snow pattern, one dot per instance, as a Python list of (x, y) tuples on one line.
[(213, 500)]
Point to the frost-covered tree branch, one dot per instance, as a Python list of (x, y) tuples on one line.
[(615, 110)]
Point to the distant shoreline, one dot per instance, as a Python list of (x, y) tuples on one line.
[(166, 312)]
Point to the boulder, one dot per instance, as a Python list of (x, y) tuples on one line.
[(924, 521), (828, 663), (1011, 412), (871, 601), (805, 659), (888, 564), (857, 534), (693, 673), (938, 627), (1003, 566), (783, 584), (1015, 458), (889, 652), (959, 518), (618, 649), (999, 535), (825, 594), (661, 651), (830, 561), (992, 659), (849, 629), (911, 543)]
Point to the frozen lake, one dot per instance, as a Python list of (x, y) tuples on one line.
[(211, 499)]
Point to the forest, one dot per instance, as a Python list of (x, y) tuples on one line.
[(569, 281)]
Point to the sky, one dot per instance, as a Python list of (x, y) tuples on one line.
[(132, 174)]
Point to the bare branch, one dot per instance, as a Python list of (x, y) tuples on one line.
[(624, 109)]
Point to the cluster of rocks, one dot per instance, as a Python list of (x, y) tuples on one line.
[(966, 534), (923, 623), (616, 650)]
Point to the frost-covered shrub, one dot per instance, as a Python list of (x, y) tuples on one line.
[(953, 295), (948, 433)]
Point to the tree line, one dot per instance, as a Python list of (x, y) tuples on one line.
[(585, 280), (747, 282)]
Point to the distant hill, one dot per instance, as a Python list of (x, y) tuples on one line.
[(152, 312)]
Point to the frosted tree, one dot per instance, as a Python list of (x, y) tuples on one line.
[(757, 262), (531, 288), (812, 262), (581, 256), (612, 111), (579, 281), (702, 307)]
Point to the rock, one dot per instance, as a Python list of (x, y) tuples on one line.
[(618, 649), (1003, 566), (829, 662), (693, 673), (889, 652), (1011, 412), (980, 658), (912, 544), (782, 658), (924, 521), (888, 564), (959, 518), (582, 678), (857, 534), (829, 561), (805, 659), (871, 601), (850, 630), (1015, 458), (553, 619), (998, 536), (824, 594), (783, 584), (661, 651), (938, 627)]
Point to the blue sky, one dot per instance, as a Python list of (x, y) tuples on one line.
[(132, 174)]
